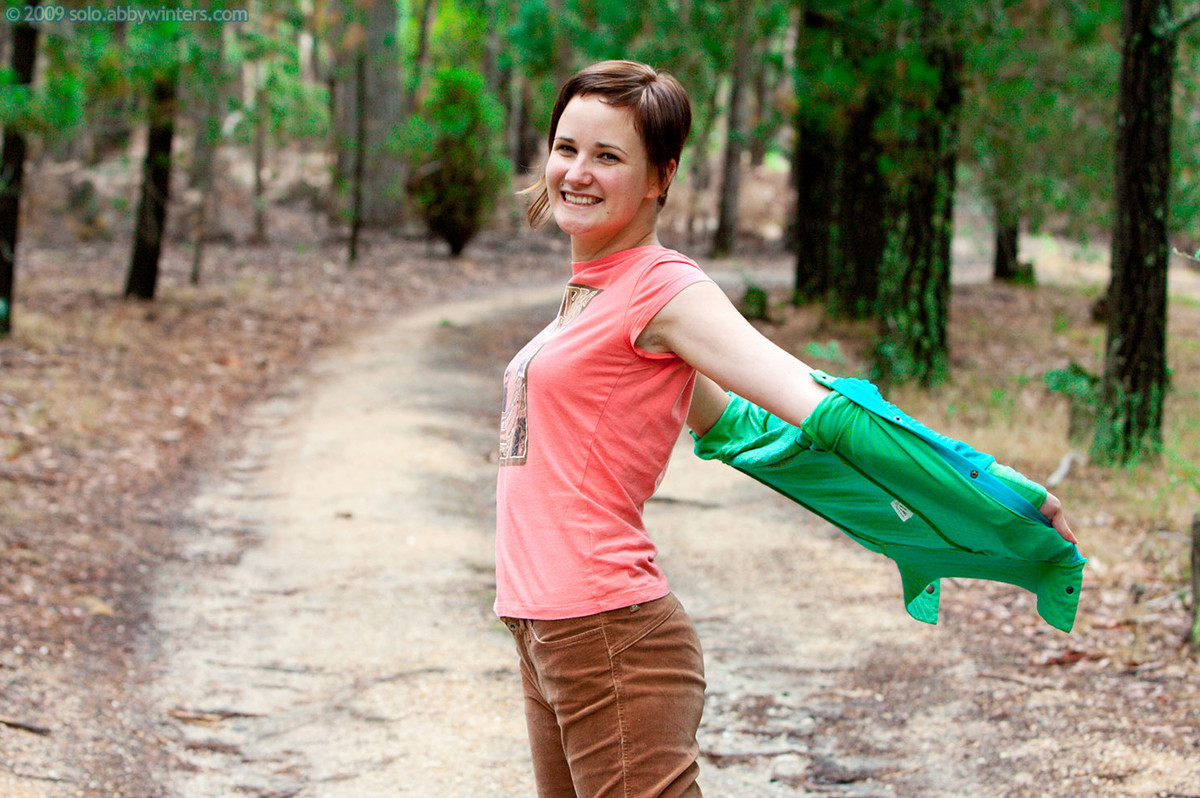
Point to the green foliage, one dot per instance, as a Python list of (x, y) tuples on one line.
[(755, 303), (1041, 80), (154, 50), (1082, 390), (1074, 382), (830, 351), (291, 108), (451, 145), (15, 101), (533, 34), (52, 108), (1185, 194)]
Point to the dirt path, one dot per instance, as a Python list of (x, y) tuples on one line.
[(329, 630)]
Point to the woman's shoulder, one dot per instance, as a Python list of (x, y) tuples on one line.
[(657, 258), (661, 267), (663, 254)]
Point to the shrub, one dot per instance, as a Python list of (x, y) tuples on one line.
[(453, 146)]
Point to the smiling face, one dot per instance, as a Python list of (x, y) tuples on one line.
[(602, 188)]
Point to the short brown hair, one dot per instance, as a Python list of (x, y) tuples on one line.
[(662, 116)]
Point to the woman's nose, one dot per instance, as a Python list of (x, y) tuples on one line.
[(578, 173)]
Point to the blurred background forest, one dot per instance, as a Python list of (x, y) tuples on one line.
[(293, 169), (864, 122), (845, 137)]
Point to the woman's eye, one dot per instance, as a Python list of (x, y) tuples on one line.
[(565, 149), (608, 157)]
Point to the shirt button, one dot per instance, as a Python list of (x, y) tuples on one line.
[(974, 475), (929, 588)]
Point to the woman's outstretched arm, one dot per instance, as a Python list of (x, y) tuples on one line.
[(702, 327)]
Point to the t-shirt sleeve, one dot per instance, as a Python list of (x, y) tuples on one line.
[(657, 286)]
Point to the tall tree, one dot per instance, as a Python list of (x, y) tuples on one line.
[(812, 231), (207, 80), (373, 25), (156, 187), (915, 284), (1006, 264), (420, 67), (735, 135), (1134, 383), (815, 166), (360, 158), (12, 171), (843, 72), (861, 206)]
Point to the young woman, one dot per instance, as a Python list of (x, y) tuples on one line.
[(643, 342)]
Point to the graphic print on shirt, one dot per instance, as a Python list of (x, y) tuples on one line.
[(514, 415)]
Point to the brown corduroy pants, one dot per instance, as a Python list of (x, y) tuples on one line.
[(613, 702)]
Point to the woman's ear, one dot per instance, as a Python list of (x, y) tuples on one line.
[(664, 185), (672, 167)]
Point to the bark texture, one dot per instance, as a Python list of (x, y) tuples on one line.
[(1129, 424), (12, 175), (369, 27), (915, 299), (156, 191)]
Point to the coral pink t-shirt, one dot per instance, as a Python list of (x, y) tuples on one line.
[(588, 424)]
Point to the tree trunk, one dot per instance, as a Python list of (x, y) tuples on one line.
[(208, 88), (494, 45), (421, 61), (735, 142), (1129, 422), (815, 222), (200, 234), (758, 120), (915, 295), (861, 216), (1005, 267), (260, 156), (156, 186), (360, 150), (525, 145), (12, 173), (376, 24), (1195, 633), (700, 174)]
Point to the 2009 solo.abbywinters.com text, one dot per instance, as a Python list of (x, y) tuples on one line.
[(133, 14)]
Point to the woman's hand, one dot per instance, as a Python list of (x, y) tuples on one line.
[(1053, 510)]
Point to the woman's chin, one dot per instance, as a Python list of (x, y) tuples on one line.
[(572, 224)]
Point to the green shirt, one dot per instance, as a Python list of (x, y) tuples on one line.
[(934, 505)]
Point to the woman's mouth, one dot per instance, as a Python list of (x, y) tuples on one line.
[(579, 199)]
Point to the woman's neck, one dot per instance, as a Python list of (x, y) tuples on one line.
[(586, 250)]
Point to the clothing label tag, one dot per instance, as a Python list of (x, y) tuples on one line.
[(901, 510)]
